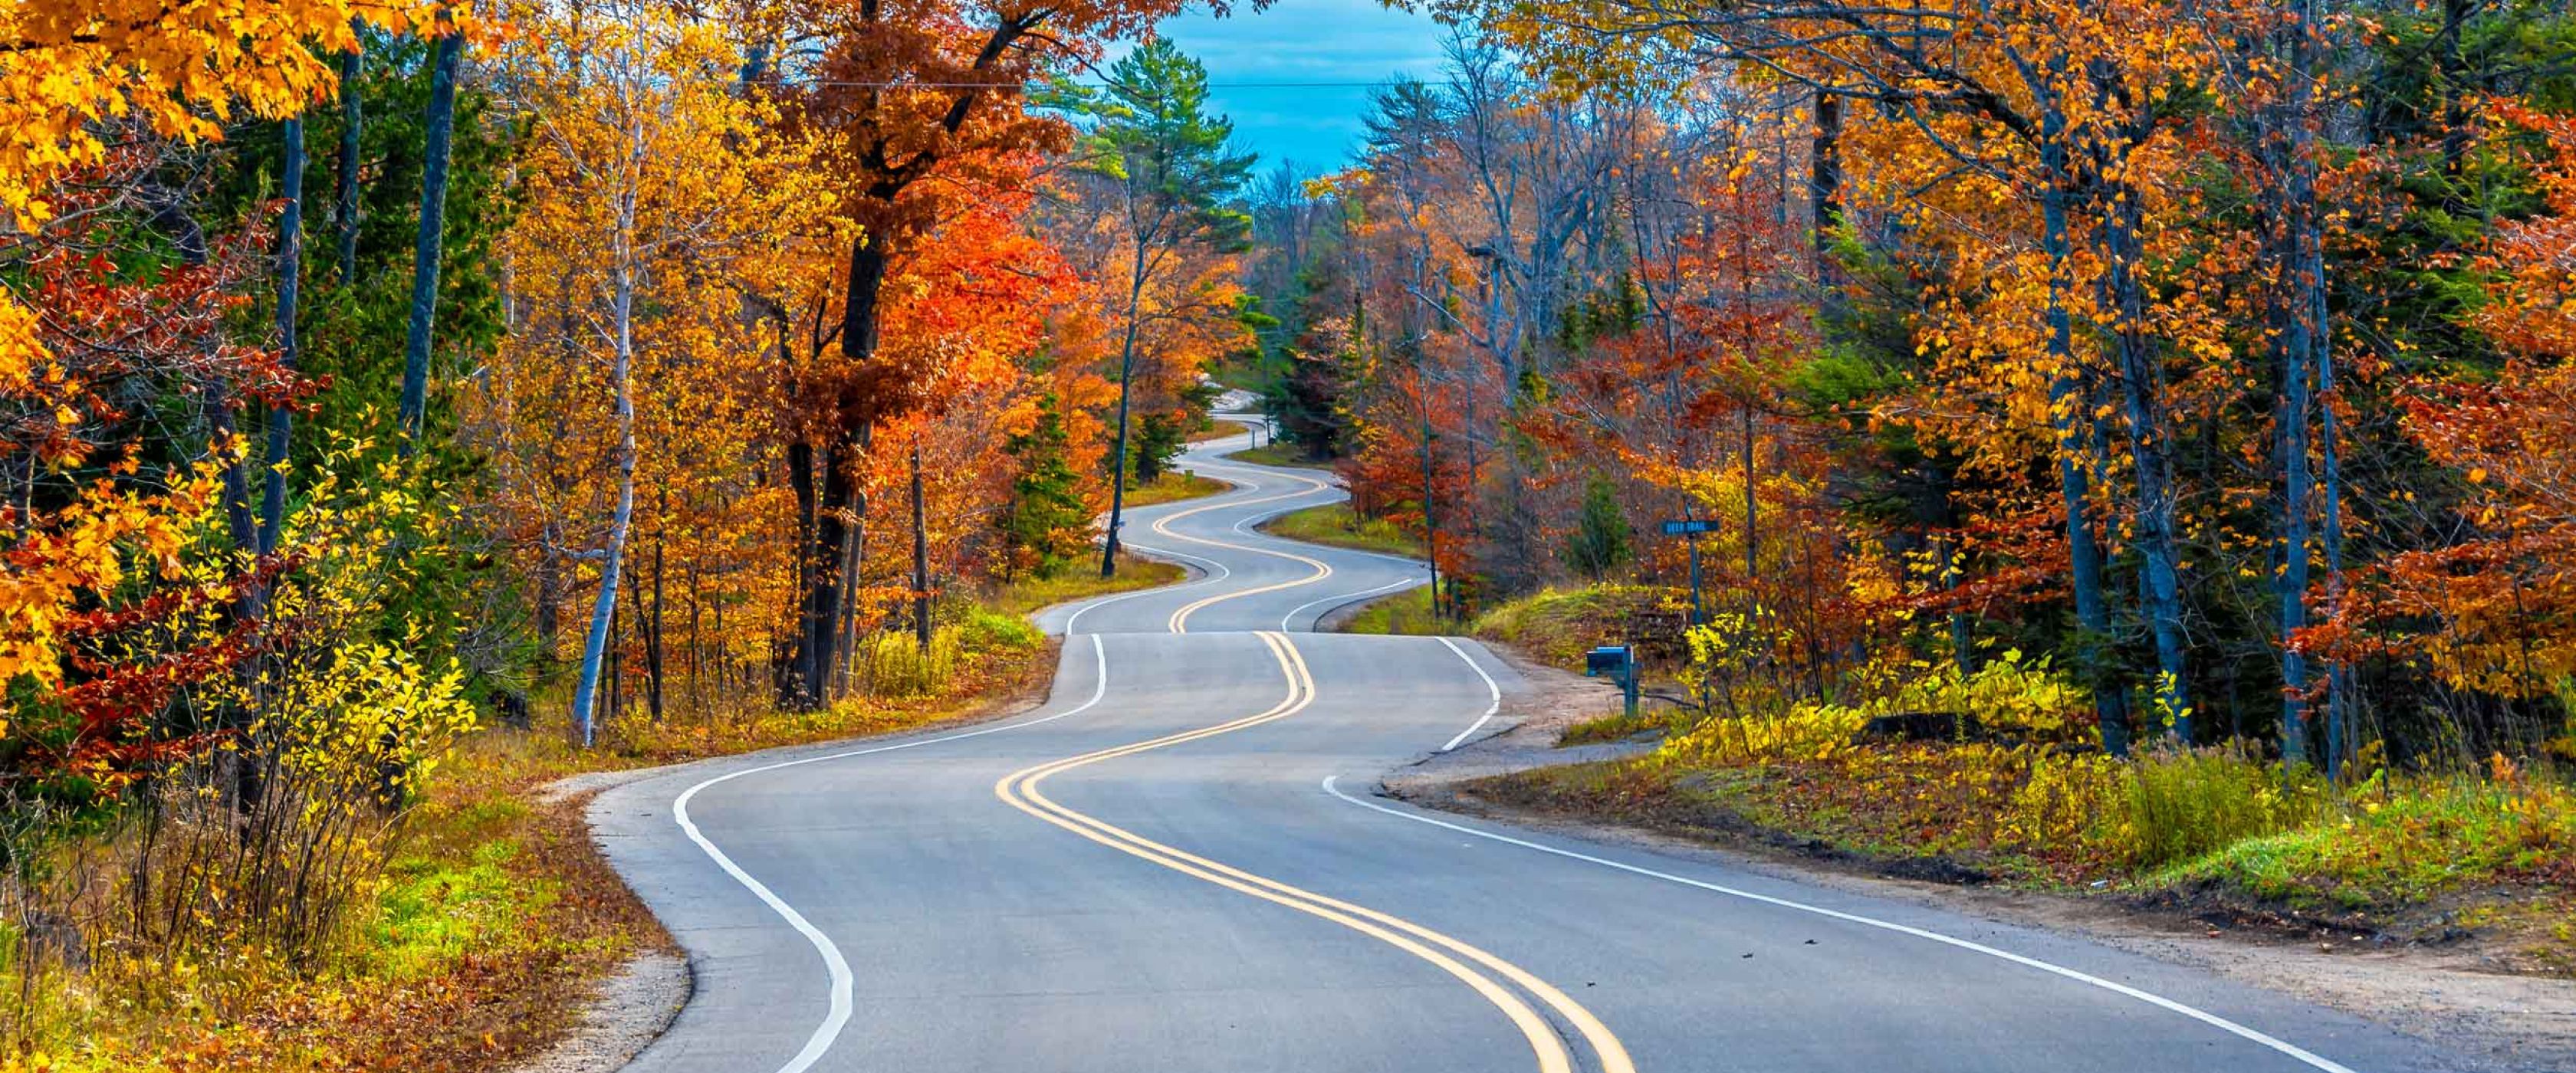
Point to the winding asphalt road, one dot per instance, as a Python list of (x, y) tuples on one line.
[(1177, 864)]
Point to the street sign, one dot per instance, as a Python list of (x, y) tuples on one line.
[(1692, 527)]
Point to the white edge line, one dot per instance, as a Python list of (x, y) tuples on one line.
[(1344, 597), (2205, 1017), (838, 966), (1493, 700), (1223, 572)]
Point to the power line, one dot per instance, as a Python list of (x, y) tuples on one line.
[(1373, 84)]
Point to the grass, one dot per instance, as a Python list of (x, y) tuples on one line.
[(1619, 726), (1407, 612), (1558, 625), (2411, 855), (1275, 453), (1173, 487), (1338, 525), (1217, 430), (1029, 594)]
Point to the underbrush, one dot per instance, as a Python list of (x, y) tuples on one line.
[(2206, 824), (1336, 524), (471, 919)]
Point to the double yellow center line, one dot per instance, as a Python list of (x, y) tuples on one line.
[(1179, 622), (1479, 970)]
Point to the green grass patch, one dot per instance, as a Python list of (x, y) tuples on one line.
[(1173, 487), (1028, 594), (2401, 844), (1276, 453), (1407, 612), (1338, 525), (435, 908)]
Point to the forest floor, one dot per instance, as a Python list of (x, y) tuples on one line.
[(2421, 919), (495, 936)]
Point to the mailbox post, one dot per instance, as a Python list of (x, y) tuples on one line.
[(1619, 664)]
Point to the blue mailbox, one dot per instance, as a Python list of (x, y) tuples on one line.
[(1619, 664)]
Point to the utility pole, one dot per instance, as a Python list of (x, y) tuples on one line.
[(920, 555)]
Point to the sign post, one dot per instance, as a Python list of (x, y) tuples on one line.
[(1692, 528)]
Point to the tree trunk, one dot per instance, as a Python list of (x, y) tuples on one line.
[(2142, 388), (826, 494), (2067, 405), (604, 608), (1826, 175), (433, 218), (345, 214), (1118, 454), (2299, 302), (290, 288), (654, 657)]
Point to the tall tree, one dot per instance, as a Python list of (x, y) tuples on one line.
[(1176, 180), (440, 136), (912, 92)]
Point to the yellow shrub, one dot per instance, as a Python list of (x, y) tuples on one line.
[(1807, 732)]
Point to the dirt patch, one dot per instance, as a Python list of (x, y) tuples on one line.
[(1526, 728), (626, 1014), (2453, 986)]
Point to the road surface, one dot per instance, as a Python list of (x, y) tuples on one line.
[(1176, 864)]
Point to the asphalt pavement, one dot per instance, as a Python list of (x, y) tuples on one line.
[(1178, 863)]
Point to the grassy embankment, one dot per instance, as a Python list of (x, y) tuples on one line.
[(1275, 453), (2407, 854), (1172, 487), (1337, 525), (491, 914)]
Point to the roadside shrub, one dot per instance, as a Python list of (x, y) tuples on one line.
[(893, 663), (1805, 732), (2180, 805), (988, 631), (2008, 691), (2067, 802)]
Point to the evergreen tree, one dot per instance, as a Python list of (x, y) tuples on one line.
[(1601, 539), (1047, 524)]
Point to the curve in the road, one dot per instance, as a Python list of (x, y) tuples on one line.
[(835, 965), (1021, 790)]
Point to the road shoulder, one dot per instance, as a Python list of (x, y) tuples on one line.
[(2451, 996)]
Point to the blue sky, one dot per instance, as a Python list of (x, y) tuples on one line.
[(1357, 41)]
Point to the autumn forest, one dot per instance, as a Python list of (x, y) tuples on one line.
[(406, 404)]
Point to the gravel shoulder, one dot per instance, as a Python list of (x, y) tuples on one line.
[(627, 1013), (2451, 994)]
